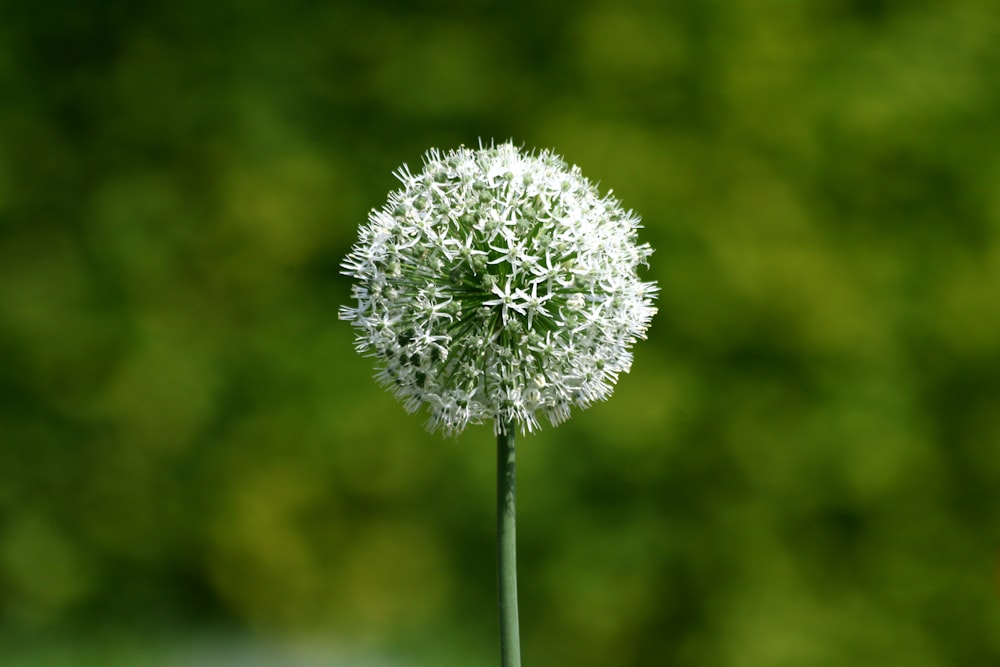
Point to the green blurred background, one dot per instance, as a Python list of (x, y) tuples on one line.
[(801, 470)]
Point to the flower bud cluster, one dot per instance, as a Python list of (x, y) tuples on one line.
[(498, 284)]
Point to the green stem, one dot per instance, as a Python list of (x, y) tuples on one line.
[(510, 643)]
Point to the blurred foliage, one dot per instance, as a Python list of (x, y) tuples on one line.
[(802, 468)]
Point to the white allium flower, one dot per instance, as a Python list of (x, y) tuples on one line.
[(498, 284)]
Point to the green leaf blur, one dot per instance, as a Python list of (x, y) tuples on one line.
[(802, 468)]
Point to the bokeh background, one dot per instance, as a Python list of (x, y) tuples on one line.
[(801, 470)]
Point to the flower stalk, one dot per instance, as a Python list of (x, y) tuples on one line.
[(510, 641)]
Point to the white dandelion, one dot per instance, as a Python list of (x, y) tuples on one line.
[(498, 284)]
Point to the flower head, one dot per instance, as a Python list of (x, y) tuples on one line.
[(498, 284)]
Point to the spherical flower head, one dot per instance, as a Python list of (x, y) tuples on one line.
[(498, 284)]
